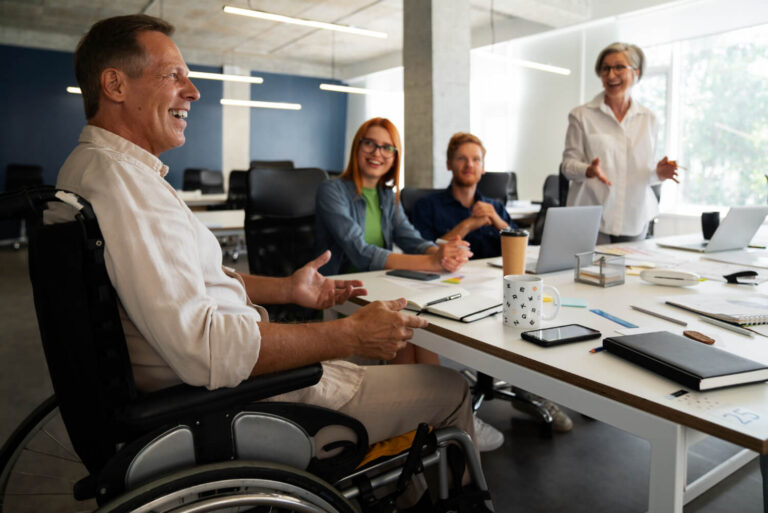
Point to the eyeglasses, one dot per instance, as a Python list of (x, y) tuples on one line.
[(618, 68), (387, 150)]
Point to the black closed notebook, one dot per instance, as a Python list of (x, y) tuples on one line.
[(690, 363)]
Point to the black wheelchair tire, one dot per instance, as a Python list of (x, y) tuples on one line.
[(208, 480)]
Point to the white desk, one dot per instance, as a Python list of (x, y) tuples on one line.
[(222, 220), (198, 199), (604, 386)]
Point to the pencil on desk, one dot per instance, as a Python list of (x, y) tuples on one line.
[(728, 326), (660, 316)]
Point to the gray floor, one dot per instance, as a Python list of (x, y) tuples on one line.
[(595, 468)]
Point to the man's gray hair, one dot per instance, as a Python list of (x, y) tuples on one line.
[(634, 54)]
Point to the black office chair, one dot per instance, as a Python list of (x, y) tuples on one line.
[(211, 182), (279, 226), (564, 185), (656, 189), (550, 198), (410, 195), (272, 164), (182, 448), (17, 177), (191, 179), (500, 185)]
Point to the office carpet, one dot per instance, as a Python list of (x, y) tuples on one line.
[(593, 469)]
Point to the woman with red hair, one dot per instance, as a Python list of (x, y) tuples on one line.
[(359, 218)]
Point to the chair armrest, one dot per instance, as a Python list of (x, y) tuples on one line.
[(169, 404)]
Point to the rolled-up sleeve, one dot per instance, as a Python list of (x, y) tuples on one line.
[(333, 209)]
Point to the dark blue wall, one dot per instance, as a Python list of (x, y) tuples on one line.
[(41, 121), (312, 136)]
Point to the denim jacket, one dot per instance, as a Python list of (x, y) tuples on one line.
[(340, 227)]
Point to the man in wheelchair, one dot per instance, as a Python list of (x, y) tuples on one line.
[(185, 317)]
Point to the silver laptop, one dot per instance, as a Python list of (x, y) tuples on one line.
[(567, 231), (734, 232)]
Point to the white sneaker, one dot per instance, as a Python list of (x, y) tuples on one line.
[(488, 438)]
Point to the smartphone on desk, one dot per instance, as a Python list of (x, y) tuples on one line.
[(558, 335), (413, 275)]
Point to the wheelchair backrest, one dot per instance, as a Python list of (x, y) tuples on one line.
[(80, 329)]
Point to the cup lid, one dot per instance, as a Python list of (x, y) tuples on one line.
[(513, 232)]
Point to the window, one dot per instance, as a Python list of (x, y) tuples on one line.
[(711, 94)]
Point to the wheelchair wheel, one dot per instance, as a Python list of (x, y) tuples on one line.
[(39, 467), (235, 486)]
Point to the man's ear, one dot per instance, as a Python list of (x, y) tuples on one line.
[(113, 84)]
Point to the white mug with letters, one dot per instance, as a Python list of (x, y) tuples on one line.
[(524, 301)]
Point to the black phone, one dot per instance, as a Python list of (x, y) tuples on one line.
[(413, 275), (558, 335)]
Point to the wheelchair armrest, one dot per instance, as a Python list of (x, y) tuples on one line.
[(170, 404)]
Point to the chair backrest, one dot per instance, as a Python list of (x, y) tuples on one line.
[(564, 185), (211, 182), (280, 218), (410, 195), (18, 176), (80, 330), (499, 185), (191, 181), (273, 164), (237, 193), (550, 198)]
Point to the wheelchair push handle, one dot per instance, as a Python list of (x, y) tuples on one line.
[(31, 202)]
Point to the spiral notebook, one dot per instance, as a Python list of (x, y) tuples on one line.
[(744, 310)]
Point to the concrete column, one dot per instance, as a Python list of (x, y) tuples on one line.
[(236, 125), (436, 45)]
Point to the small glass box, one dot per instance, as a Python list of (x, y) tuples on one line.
[(601, 269)]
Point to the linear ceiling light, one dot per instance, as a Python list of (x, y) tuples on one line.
[(74, 90), (540, 67), (227, 78), (308, 23), (261, 105), (354, 90)]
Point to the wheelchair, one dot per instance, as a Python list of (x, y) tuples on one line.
[(98, 443)]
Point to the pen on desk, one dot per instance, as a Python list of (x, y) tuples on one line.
[(444, 299), (728, 326), (660, 316), (596, 349)]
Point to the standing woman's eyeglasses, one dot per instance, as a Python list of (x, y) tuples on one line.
[(618, 68), (387, 150)]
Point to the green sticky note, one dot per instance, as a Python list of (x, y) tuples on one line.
[(574, 302)]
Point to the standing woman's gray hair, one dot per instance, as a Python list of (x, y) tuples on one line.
[(634, 54)]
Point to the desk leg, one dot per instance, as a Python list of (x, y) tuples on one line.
[(764, 473), (668, 468)]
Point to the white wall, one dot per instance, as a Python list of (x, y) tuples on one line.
[(521, 114)]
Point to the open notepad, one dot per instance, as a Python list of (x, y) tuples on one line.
[(454, 303), (743, 309)]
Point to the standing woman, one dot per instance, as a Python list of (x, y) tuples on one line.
[(609, 150), (359, 218)]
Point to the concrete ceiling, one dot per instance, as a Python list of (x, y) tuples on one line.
[(208, 36)]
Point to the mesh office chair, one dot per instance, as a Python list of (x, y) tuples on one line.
[(550, 198), (499, 185), (272, 164), (410, 195), (191, 179), (182, 448), (280, 226), (17, 177)]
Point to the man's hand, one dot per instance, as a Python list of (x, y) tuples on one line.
[(311, 289), (667, 170), (453, 254), (380, 329), (595, 171), (483, 209)]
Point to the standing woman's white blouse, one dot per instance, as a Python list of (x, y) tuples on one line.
[(627, 156)]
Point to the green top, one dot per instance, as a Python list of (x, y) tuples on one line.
[(373, 234)]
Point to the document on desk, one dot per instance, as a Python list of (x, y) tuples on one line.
[(743, 257)]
